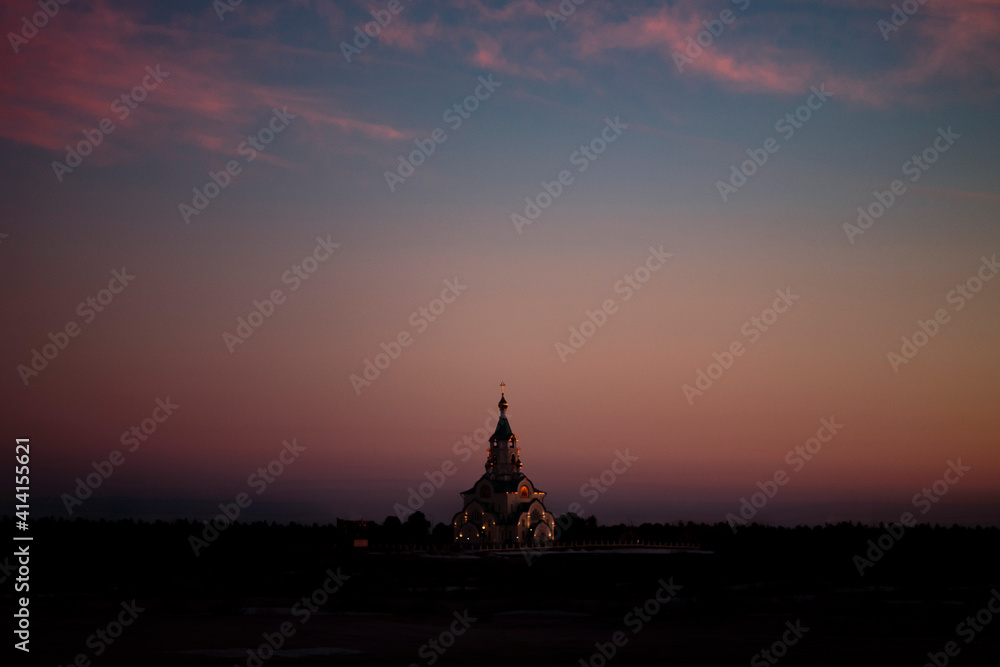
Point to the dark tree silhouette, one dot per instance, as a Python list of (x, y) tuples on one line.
[(417, 528)]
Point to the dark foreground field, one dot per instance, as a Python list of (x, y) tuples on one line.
[(795, 593)]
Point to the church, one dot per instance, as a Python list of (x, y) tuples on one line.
[(503, 507)]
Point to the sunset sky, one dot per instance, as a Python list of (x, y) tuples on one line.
[(507, 168)]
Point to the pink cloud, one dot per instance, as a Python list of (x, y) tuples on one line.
[(514, 11), (497, 39), (957, 39), (67, 78), (409, 36), (383, 132), (945, 41)]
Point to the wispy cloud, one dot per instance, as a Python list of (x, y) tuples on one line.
[(66, 79)]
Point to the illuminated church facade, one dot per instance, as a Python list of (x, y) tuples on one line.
[(503, 506)]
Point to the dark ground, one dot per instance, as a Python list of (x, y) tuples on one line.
[(733, 602)]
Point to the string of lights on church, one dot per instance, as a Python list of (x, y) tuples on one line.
[(503, 506)]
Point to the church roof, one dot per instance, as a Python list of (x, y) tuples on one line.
[(499, 485), (503, 432), (521, 508), (503, 486), (497, 519)]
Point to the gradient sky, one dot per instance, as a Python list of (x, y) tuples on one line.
[(656, 184)]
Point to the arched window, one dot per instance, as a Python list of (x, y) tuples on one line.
[(524, 491)]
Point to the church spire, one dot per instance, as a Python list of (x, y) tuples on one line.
[(503, 506), (504, 456)]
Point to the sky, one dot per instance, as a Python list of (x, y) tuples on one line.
[(738, 247)]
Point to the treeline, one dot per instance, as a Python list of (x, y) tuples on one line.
[(418, 530), (178, 537)]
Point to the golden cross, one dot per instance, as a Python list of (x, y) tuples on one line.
[(501, 388)]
